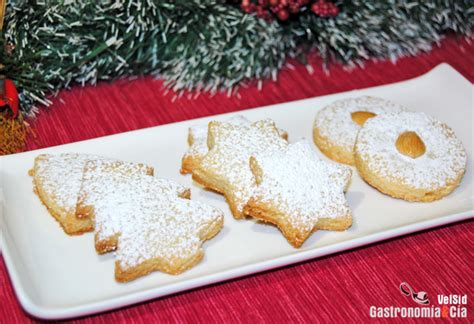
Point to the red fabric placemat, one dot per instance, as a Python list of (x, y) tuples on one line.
[(338, 288)]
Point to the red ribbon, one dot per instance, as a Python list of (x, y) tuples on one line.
[(9, 96)]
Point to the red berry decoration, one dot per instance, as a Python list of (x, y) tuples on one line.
[(283, 14), (325, 9), (284, 9), (295, 7)]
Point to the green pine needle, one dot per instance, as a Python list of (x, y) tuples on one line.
[(203, 45)]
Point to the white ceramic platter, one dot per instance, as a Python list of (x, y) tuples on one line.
[(58, 276)]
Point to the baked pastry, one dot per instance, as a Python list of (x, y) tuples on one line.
[(299, 192), (104, 180), (225, 168), (148, 221), (197, 140), (167, 238), (336, 125), (57, 180), (410, 155)]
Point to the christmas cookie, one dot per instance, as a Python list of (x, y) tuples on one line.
[(225, 168), (105, 180), (57, 180), (336, 125), (147, 221), (299, 192), (410, 155), (197, 140), (168, 237)]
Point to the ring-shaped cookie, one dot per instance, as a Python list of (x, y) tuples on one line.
[(336, 125), (410, 155)]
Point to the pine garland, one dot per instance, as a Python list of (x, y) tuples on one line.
[(203, 45)]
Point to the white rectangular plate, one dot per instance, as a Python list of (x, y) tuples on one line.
[(58, 276)]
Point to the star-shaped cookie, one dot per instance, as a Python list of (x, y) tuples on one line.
[(299, 192), (225, 168), (147, 221), (197, 140)]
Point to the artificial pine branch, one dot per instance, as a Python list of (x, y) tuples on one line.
[(201, 45)]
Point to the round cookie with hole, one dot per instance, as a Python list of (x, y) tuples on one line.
[(336, 125), (410, 155)]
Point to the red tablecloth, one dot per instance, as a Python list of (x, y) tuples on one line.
[(336, 288)]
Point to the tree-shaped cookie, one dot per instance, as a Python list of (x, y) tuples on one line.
[(299, 192), (168, 237), (146, 220), (107, 180), (57, 180), (225, 168)]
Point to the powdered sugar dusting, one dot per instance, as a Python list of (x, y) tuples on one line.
[(198, 135), (228, 158), (443, 161), (61, 177), (300, 185), (171, 232), (335, 123), (152, 221), (106, 186)]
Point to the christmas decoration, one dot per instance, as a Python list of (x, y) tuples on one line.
[(282, 9), (324, 9), (8, 97), (207, 45), (13, 128)]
